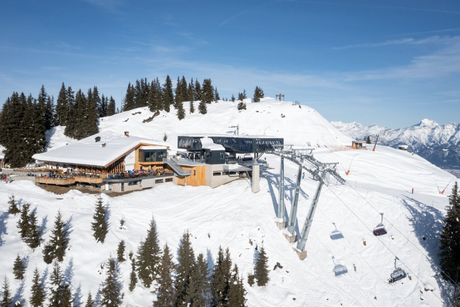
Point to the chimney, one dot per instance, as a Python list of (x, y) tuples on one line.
[(127, 133), (98, 138)]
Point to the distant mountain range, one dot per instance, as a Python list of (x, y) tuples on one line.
[(437, 143)]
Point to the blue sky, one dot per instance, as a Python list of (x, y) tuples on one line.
[(391, 63)]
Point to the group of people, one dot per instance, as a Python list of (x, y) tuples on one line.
[(136, 173)]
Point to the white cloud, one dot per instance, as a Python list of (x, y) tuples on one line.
[(403, 41)]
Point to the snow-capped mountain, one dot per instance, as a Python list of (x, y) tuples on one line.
[(437, 143)]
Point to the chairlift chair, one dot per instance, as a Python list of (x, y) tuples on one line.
[(397, 274), (380, 228)]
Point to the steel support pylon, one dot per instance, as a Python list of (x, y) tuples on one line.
[(280, 213), (293, 216), (307, 226)]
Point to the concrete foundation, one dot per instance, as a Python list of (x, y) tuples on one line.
[(281, 225), (302, 254), (290, 238)]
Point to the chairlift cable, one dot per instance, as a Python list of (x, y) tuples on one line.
[(401, 233), (385, 244), (358, 286)]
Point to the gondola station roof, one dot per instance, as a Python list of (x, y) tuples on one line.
[(232, 143), (97, 150)]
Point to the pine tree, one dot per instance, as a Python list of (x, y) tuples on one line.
[(198, 92), (202, 109), (121, 251), (168, 96), (191, 93), (208, 91), (34, 238), (61, 294), (148, 256), (38, 293), (236, 293), (261, 270), (111, 107), (258, 93), (132, 276), (58, 242), (242, 96), (100, 226), (180, 110), (19, 268), (449, 242), (186, 262), (129, 98), (89, 301), (13, 209), (165, 292), (7, 300), (50, 113), (216, 95), (112, 286), (241, 106), (199, 282), (220, 281), (23, 222), (62, 107)]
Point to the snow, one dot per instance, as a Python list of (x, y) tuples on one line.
[(208, 143), (234, 217), (88, 151)]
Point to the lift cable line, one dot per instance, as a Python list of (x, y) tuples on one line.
[(400, 232), (305, 155), (412, 272)]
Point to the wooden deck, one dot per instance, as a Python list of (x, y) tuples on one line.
[(55, 181), (68, 180)]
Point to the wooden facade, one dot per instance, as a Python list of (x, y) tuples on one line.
[(197, 178)]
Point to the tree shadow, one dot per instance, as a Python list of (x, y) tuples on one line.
[(68, 273), (19, 295), (3, 219), (210, 261), (428, 223), (42, 229), (77, 297), (68, 227)]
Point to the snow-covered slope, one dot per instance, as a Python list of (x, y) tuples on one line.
[(437, 143), (232, 216), (296, 124)]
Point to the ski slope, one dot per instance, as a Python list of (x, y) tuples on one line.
[(232, 216)]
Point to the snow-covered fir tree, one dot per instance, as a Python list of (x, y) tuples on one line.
[(19, 268), (100, 226), (166, 292), (7, 299), (261, 270), (449, 242), (13, 208), (111, 287), (58, 242), (37, 291), (148, 256)]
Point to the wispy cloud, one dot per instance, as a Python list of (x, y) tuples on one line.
[(68, 46), (108, 5), (442, 63), (404, 41)]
